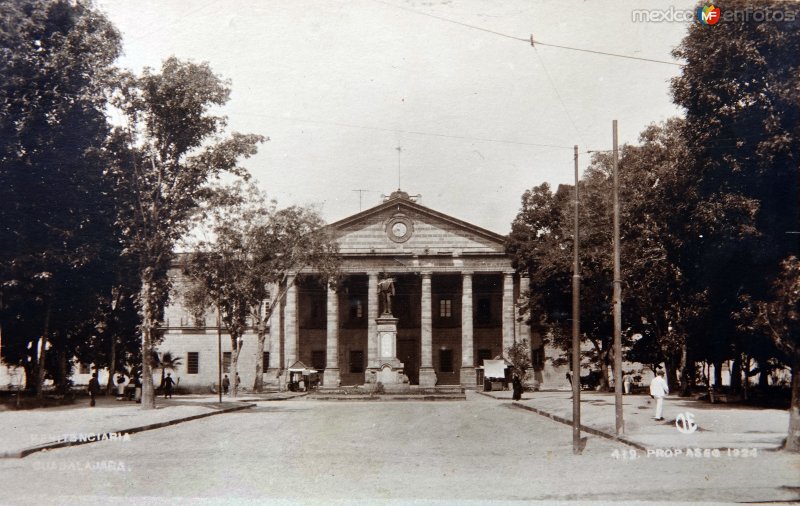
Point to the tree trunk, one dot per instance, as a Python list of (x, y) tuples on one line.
[(40, 362), (112, 366), (736, 375), (687, 371), (763, 374), (672, 374), (235, 364), (746, 376), (148, 397), (258, 384), (62, 374), (603, 387), (718, 374), (793, 437)]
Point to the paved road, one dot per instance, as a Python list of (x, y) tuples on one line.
[(318, 452)]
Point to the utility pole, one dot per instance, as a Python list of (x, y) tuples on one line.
[(576, 330), (617, 297), (219, 352), (360, 193)]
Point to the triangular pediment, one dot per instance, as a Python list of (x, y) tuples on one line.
[(400, 225)]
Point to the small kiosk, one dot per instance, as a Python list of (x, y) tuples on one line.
[(495, 375), (301, 378)]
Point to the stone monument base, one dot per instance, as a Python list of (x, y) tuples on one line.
[(391, 373)]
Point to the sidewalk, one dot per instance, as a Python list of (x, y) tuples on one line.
[(28, 431), (719, 426)]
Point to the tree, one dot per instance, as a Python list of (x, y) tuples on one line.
[(656, 302), (56, 208), (164, 361), (779, 317), (520, 357), (740, 89), (165, 157), (245, 270)]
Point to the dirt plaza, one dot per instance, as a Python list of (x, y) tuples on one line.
[(309, 451)]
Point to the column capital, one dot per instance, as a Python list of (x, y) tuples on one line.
[(509, 273), (467, 272), (426, 274)]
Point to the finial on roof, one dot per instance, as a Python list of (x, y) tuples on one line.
[(400, 194)]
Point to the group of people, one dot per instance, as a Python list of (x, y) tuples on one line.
[(226, 383), (94, 388)]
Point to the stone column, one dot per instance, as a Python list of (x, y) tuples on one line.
[(508, 311), (290, 346), (372, 326), (331, 377), (467, 353), (427, 375)]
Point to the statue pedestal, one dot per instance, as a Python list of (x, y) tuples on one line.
[(390, 369)]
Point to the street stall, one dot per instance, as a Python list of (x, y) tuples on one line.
[(301, 378), (495, 375)]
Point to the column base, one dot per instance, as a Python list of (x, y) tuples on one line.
[(427, 377), (468, 377), (331, 378)]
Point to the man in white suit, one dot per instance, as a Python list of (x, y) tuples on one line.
[(658, 390)]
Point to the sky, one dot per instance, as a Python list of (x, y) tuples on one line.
[(479, 117)]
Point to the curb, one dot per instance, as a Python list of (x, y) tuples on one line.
[(379, 398), (566, 421), (274, 399), (584, 428), (63, 444)]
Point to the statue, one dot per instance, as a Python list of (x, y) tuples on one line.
[(385, 294)]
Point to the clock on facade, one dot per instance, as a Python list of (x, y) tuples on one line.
[(399, 228)]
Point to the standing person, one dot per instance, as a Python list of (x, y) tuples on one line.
[(226, 383), (168, 384), (94, 389), (238, 382), (137, 390), (517, 386), (658, 390), (120, 387), (626, 383)]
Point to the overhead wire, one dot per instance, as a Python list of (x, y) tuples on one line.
[(530, 39), (409, 132), (558, 95)]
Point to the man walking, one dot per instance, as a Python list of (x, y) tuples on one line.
[(94, 389), (658, 390), (168, 384)]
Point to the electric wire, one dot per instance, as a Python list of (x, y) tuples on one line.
[(530, 39), (409, 132)]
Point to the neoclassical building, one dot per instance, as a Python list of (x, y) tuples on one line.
[(454, 305)]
